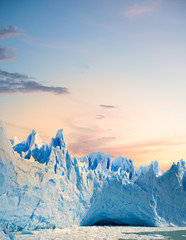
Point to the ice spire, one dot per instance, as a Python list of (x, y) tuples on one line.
[(6, 151)]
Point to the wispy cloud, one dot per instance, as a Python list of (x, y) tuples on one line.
[(87, 139), (7, 54), (151, 145), (100, 25), (142, 152), (9, 31), (107, 106), (143, 9), (99, 116), (138, 151), (17, 82), (89, 145)]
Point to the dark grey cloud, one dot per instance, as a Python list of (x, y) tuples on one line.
[(6, 54), (17, 82), (99, 116), (9, 31), (15, 75), (107, 106)]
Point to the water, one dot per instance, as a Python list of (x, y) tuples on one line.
[(105, 233)]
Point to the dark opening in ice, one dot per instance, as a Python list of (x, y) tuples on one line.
[(109, 222)]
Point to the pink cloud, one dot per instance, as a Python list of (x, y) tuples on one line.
[(141, 152), (7, 54), (9, 31), (138, 10)]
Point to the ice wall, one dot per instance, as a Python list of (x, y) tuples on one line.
[(42, 186)]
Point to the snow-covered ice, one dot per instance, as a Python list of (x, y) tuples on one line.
[(42, 186), (105, 233)]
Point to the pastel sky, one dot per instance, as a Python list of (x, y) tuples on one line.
[(111, 73)]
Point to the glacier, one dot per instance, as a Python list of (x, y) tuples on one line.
[(42, 186)]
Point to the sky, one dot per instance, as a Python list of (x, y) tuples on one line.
[(111, 73)]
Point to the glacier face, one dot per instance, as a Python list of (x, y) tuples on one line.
[(42, 186)]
